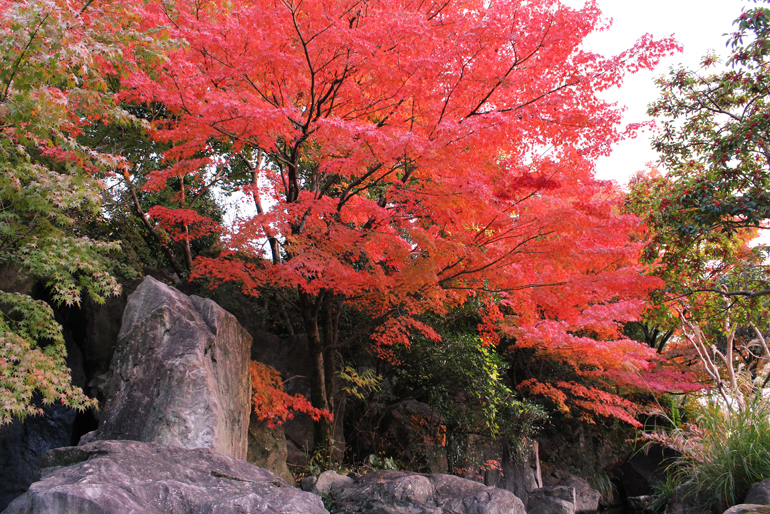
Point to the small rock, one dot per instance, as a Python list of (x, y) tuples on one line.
[(640, 503), (683, 502), (307, 483), (328, 482)]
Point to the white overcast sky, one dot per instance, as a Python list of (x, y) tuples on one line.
[(698, 25)]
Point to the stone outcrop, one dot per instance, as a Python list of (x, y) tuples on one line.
[(682, 501), (287, 355), (398, 492), (643, 470), (179, 375), (413, 430), (521, 478), (22, 444), (116, 477), (90, 333)]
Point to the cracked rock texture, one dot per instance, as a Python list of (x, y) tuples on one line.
[(106, 477), (179, 375), (398, 492)]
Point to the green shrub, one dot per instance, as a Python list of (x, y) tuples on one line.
[(464, 381)]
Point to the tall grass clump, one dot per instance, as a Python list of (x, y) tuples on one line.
[(722, 454)]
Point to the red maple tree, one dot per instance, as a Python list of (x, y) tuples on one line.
[(403, 157)]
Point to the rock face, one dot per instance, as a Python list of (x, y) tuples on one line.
[(413, 431), (179, 375), (107, 477), (94, 328), (759, 493), (521, 478), (398, 492), (22, 445), (287, 355), (683, 502), (90, 333)]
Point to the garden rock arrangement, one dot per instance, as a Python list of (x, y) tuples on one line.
[(107, 477), (399, 492), (174, 429)]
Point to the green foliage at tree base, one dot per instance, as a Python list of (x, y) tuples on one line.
[(464, 380)]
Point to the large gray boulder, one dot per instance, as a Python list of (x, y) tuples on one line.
[(179, 376), (106, 477), (399, 492)]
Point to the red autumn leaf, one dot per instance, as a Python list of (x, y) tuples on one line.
[(183, 223)]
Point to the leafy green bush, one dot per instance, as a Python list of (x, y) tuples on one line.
[(464, 381)]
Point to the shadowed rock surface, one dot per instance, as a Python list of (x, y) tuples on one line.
[(179, 375), (558, 499), (267, 448), (107, 477), (22, 445), (759, 493), (586, 497), (398, 492)]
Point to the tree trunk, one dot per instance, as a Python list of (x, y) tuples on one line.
[(323, 430)]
